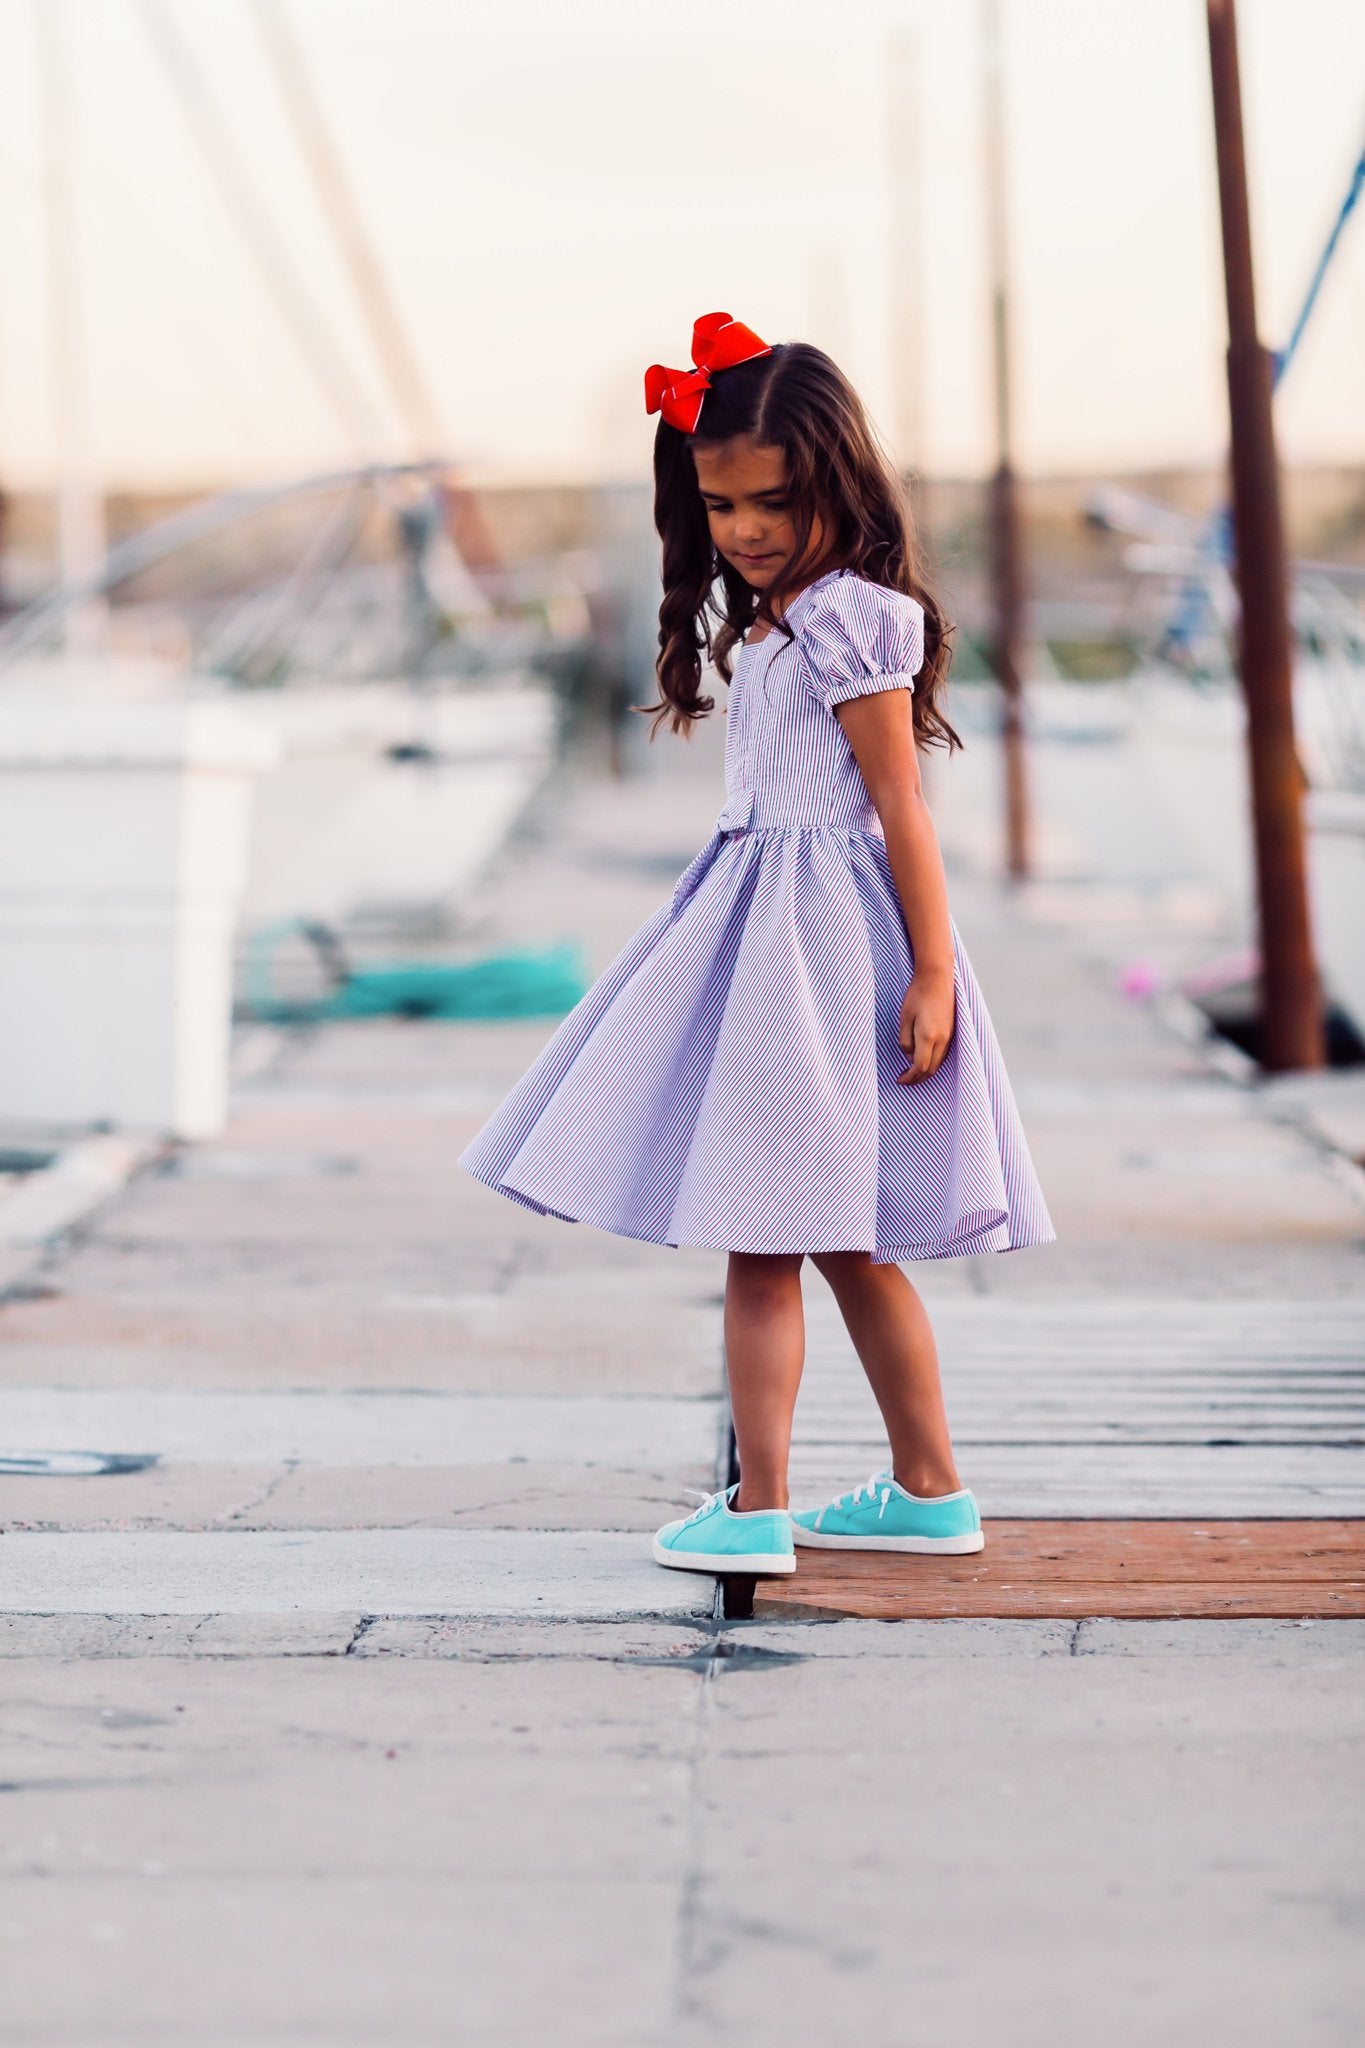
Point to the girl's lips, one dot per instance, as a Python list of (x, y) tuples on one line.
[(757, 561)]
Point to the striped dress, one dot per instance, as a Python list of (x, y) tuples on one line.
[(730, 1080)]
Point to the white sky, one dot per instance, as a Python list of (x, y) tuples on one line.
[(558, 187)]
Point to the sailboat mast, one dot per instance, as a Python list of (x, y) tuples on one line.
[(905, 202), (81, 543), (1007, 570), (388, 337)]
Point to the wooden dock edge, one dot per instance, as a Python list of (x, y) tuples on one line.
[(1050, 1569)]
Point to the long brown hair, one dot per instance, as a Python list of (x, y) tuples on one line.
[(796, 399)]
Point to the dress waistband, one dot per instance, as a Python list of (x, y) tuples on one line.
[(737, 815), (873, 831)]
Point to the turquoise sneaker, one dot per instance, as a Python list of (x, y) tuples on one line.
[(716, 1539), (880, 1515)]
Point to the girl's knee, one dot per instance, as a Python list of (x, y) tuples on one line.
[(845, 1269), (754, 1272)]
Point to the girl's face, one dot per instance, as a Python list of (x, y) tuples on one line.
[(744, 490)]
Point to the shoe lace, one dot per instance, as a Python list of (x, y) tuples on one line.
[(868, 1490), (708, 1501)]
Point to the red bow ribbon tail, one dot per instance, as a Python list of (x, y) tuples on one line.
[(677, 394)]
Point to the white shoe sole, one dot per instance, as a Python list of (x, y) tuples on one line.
[(946, 1546), (763, 1565)]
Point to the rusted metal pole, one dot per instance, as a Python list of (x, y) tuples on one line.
[(1291, 1002), (1006, 574), (1006, 548)]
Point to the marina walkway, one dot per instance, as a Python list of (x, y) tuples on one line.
[(362, 1716)]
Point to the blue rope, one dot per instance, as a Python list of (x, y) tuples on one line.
[(1216, 541), (1285, 356), (543, 981)]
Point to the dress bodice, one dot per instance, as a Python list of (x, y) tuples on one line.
[(788, 762)]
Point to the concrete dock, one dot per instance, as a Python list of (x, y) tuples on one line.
[(361, 1715)]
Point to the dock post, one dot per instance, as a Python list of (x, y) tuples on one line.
[(1291, 1023), (1006, 548)]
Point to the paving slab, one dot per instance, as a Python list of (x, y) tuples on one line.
[(354, 1854), (379, 1571), (333, 1706), (50, 1638), (679, 1640), (84, 1638), (944, 1637), (370, 1428), (345, 1959), (1149, 1851), (520, 1495), (1293, 1642), (150, 1319), (155, 1497)]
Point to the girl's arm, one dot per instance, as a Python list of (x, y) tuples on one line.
[(881, 733)]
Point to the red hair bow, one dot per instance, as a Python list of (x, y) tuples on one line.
[(718, 343)]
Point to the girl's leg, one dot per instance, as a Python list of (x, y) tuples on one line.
[(891, 1334), (765, 1349)]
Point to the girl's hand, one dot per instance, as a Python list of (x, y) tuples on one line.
[(927, 1017)]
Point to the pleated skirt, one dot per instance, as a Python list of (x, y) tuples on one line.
[(730, 1080)]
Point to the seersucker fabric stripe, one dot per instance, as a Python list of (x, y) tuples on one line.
[(730, 1079)]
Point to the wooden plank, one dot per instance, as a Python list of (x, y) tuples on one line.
[(1337, 1434), (1115, 1407), (1259, 1325), (1046, 1568)]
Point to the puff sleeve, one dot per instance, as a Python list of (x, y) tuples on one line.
[(859, 637)]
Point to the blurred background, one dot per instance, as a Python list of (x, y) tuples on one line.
[(324, 512)]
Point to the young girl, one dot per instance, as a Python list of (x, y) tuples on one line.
[(791, 1058)]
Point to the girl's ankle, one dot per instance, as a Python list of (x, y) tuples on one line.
[(927, 1485), (758, 1502)]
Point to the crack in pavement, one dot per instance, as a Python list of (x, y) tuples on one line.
[(684, 2006), (266, 1493)]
